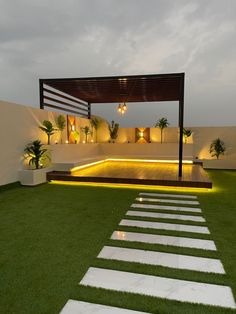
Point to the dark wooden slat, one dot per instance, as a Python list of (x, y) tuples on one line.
[(65, 97), (64, 103), (65, 109)]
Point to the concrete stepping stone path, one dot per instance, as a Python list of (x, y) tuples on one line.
[(79, 307), (171, 260), (159, 200), (164, 240), (169, 195), (166, 207), (172, 289), (165, 216), (164, 226)]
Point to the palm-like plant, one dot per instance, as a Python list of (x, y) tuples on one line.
[(113, 129), (217, 148), (86, 130), (187, 133), (95, 124), (162, 124), (35, 154), (61, 124), (48, 128)]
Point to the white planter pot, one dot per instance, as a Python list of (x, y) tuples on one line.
[(33, 177)]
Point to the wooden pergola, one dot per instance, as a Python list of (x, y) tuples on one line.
[(76, 95)]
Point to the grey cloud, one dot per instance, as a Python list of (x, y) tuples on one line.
[(76, 38)]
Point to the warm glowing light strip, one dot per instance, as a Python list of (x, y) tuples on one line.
[(87, 165), (135, 186), (128, 159), (172, 161)]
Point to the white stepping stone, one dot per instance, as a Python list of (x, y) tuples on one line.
[(159, 200), (164, 226), (79, 307), (178, 261), (164, 240), (172, 289), (165, 207), (169, 195), (167, 216)]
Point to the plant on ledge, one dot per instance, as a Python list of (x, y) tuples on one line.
[(48, 128), (61, 124), (35, 154), (162, 124), (113, 129), (95, 124), (86, 130), (187, 133), (217, 148)]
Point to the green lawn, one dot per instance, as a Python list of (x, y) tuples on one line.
[(51, 234)]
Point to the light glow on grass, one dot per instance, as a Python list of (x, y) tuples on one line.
[(136, 186)]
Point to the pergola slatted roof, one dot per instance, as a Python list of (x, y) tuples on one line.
[(114, 89), (135, 88)]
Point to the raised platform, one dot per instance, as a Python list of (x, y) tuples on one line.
[(133, 172)]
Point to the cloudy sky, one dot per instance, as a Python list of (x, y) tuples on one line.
[(75, 38)]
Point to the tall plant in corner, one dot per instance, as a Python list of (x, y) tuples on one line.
[(113, 130), (86, 130), (48, 128), (61, 124), (217, 148), (187, 133), (35, 154), (95, 125), (162, 124)]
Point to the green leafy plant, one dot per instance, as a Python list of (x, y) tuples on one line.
[(217, 148), (61, 124), (76, 136), (86, 130), (95, 125), (48, 128), (35, 154), (113, 130), (162, 124), (187, 133)]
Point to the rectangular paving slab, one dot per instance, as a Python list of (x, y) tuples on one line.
[(172, 289), (79, 307), (163, 226), (166, 207), (165, 216), (171, 260), (169, 195), (159, 200), (164, 240)]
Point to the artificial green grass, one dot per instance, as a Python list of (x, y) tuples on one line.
[(51, 234)]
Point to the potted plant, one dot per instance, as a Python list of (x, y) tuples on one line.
[(162, 124), (48, 128), (61, 124), (76, 136), (86, 130), (217, 148), (35, 155), (95, 125), (187, 133), (113, 130)]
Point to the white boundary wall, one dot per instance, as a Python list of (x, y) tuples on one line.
[(19, 125)]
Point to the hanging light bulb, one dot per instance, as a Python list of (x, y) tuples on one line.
[(119, 108), (124, 107)]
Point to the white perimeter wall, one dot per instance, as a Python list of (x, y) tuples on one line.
[(20, 124)]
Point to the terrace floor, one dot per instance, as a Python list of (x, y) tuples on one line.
[(133, 172)]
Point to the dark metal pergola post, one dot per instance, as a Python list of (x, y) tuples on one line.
[(89, 110), (41, 94), (181, 125)]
